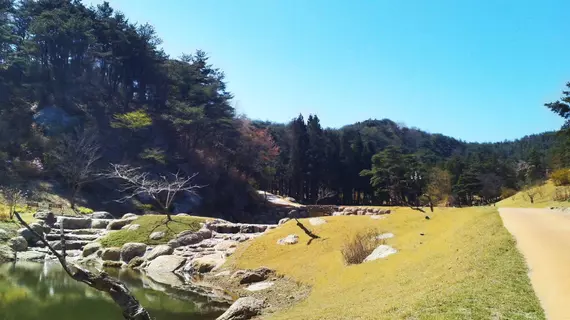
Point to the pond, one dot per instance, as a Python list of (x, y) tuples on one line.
[(31, 291)]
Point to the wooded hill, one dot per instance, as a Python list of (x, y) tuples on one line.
[(83, 87)]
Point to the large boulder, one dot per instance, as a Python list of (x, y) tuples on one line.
[(102, 215), (160, 250), (91, 248), (6, 254), (18, 244), (207, 263), (111, 254), (131, 250), (74, 223), (100, 223), (243, 309), (29, 235), (157, 235), (161, 269), (119, 224), (187, 238)]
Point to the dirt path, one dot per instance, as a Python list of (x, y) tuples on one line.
[(543, 236)]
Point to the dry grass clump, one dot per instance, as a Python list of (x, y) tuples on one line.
[(360, 246)]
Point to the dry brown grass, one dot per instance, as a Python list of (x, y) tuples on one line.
[(360, 246)]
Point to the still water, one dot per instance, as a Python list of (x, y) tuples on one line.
[(31, 291)]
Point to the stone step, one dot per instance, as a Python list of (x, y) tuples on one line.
[(240, 237), (70, 245), (77, 231), (69, 236)]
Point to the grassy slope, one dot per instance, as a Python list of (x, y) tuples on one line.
[(149, 224), (465, 267), (541, 201)]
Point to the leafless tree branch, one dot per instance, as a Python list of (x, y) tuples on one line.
[(132, 309)]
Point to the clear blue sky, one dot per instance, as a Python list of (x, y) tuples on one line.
[(475, 70)]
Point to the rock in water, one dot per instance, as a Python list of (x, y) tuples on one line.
[(111, 254), (290, 239), (91, 248), (6, 254), (207, 263), (161, 269), (243, 309), (131, 250), (380, 252), (160, 250), (18, 244), (157, 235), (317, 221)]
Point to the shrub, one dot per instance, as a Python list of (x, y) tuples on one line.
[(84, 210), (561, 194), (360, 246), (507, 192), (561, 177)]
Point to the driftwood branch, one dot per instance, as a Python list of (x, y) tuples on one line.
[(307, 231), (132, 309)]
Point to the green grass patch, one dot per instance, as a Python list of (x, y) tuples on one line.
[(149, 224), (464, 266)]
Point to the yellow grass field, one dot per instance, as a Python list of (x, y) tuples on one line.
[(465, 266), (544, 199)]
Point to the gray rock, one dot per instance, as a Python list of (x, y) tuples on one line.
[(100, 223), (187, 238), (91, 248), (259, 286), (256, 275), (31, 256), (380, 252), (225, 245), (174, 243), (317, 221), (161, 269), (6, 254), (4, 235), (131, 227), (207, 263), (101, 215), (160, 250), (131, 250), (243, 309), (111, 254), (204, 233), (290, 239), (118, 224), (18, 244), (283, 221), (183, 215), (129, 216), (157, 235), (74, 223), (43, 215)]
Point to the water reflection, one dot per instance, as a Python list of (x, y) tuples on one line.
[(43, 291)]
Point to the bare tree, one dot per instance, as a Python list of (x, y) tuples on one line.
[(13, 196), (532, 192), (161, 188), (325, 194), (132, 309), (75, 155)]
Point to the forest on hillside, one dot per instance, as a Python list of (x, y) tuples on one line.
[(82, 88)]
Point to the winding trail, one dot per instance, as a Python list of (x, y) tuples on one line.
[(543, 237)]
